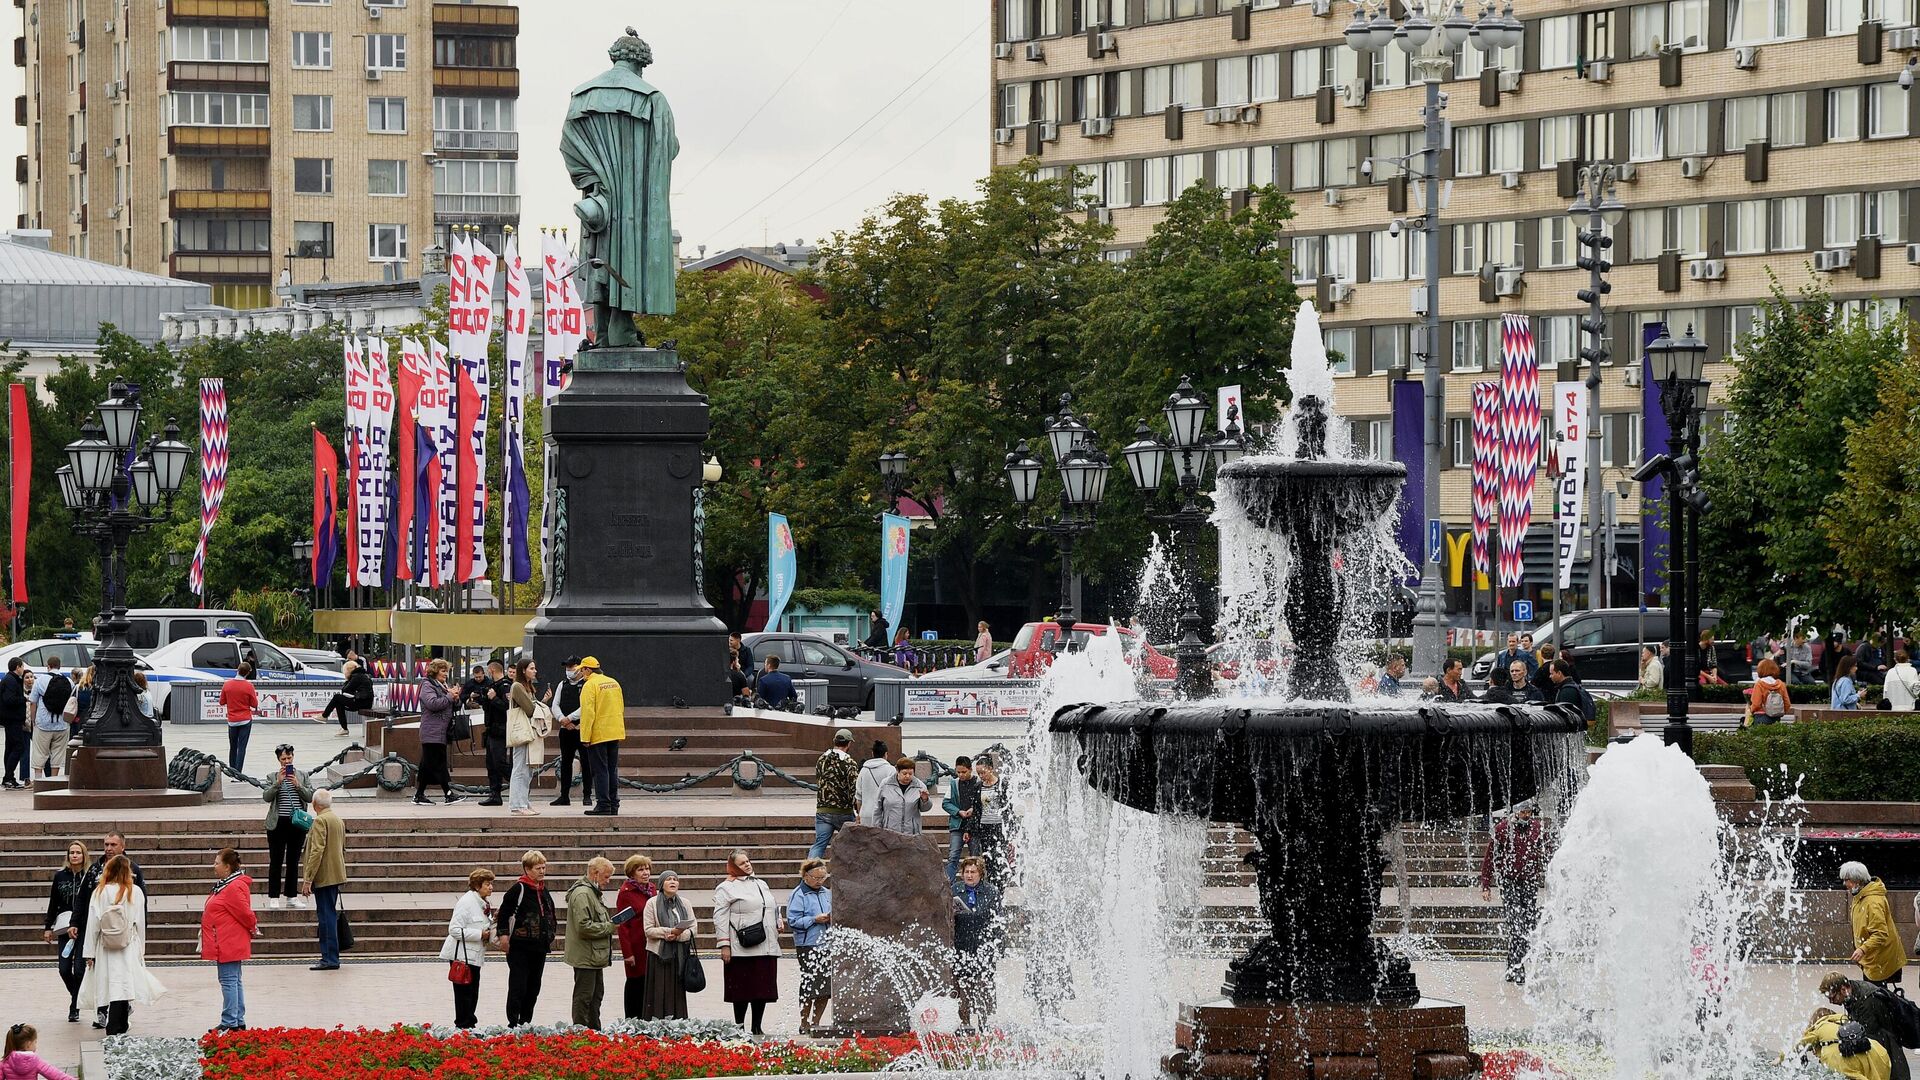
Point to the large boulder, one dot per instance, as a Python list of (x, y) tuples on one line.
[(892, 928)]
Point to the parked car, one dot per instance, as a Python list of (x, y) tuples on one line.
[(150, 628), (317, 659), (210, 659), (1037, 642), (74, 650), (849, 678), (1606, 644)]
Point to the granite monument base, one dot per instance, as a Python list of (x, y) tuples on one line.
[(116, 778), (1221, 1040), (892, 889)]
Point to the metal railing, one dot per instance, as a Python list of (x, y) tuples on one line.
[(464, 139), (920, 659)]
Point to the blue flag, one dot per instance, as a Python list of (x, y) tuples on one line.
[(781, 568), (896, 536)]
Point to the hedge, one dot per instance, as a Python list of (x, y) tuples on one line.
[(822, 599), (1865, 760)]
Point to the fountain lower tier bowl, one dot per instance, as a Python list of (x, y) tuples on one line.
[(1317, 785), (1222, 1041)]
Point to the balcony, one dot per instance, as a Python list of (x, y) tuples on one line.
[(20, 110), (500, 19), (20, 169), (504, 82), (210, 266), (246, 12), (83, 97), (246, 202), (19, 52), (222, 141), (208, 75), (468, 207), (476, 140)]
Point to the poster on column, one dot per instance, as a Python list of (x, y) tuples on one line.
[(1569, 448)]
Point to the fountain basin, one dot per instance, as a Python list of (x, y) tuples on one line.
[(1295, 496)]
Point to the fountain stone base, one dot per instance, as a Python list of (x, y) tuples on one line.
[(1310, 1041)]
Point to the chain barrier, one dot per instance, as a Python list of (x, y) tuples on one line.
[(193, 770)]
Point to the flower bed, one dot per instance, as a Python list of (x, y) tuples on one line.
[(410, 1053)]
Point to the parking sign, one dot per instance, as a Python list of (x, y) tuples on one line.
[(1523, 611)]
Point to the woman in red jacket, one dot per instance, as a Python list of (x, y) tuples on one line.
[(227, 929), (634, 893)]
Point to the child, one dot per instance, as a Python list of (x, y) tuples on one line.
[(20, 1062)]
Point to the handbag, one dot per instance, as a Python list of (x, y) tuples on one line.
[(519, 728), (755, 934), (302, 819), (459, 972), (342, 930), (693, 977)]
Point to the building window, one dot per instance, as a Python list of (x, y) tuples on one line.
[(312, 112), (312, 49), (1596, 29), (1323, 65), (313, 176), (1306, 259), (1230, 169), (1652, 26), (1756, 22), (1687, 129), (1746, 122), (1840, 218), (1016, 20), (313, 239), (1231, 83), (1116, 184), (1556, 339), (1843, 113), (476, 187), (1460, 442), (1470, 150), (474, 52), (217, 110), (1154, 181), (1389, 352), (474, 123), (1306, 166), (1789, 224), (214, 236), (1886, 111), (1746, 227), (1390, 69), (1557, 243), (1559, 42), (1343, 162), (1743, 322), (213, 43), (387, 243), (1468, 255), (1469, 62), (1470, 339), (1158, 10), (1389, 153), (387, 52), (1559, 140), (1340, 350), (1380, 439), (1265, 166), (386, 177), (1339, 256), (1845, 16), (1881, 216), (1047, 108), (387, 115), (1506, 147), (1171, 84), (1188, 170), (1015, 101), (1787, 119), (1053, 18), (1389, 256)]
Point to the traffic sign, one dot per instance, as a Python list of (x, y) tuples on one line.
[(1523, 611), (1436, 537), (929, 635)]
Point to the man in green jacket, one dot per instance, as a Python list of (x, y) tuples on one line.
[(590, 932)]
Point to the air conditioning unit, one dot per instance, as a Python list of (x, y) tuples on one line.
[(1339, 292), (1049, 132), (75, 157), (1103, 215), (1249, 114), (1333, 196), (1003, 50), (1221, 116), (372, 12), (113, 89), (1508, 282), (1107, 43), (1628, 172), (1323, 7), (1095, 127), (1746, 57), (1913, 254), (113, 212), (1036, 51), (1707, 269), (1692, 168), (1002, 136), (1633, 376), (111, 153), (1833, 259), (1354, 95), (1509, 82), (373, 74), (1600, 70), (1905, 39), (107, 27), (1510, 180)]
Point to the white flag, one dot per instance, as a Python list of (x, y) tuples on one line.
[(564, 317), (1570, 447), (358, 466), (514, 564), (447, 500), (375, 481)]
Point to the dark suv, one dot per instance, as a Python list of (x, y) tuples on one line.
[(1606, 644), (803, 656)]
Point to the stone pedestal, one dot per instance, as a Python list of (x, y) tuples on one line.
[(116, 778), (1223, 1041), (625, 451), (893, 889)]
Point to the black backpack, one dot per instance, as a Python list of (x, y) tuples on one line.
[(1904, 1015), (58, 692), (1852, 1039)]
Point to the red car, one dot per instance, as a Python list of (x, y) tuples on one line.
[(1037, 642)]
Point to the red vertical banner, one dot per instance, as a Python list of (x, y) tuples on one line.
[(21, 437), (326, 534)]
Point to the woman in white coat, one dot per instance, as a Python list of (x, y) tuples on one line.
[(468, 934), (115, 947), (746, 924)]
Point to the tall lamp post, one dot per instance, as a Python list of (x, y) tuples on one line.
[(121, 747), (1368, 36), (1595, 211), (1083, 470), (1677, 368), (1192, 450), (893, 477)]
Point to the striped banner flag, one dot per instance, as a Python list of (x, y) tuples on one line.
[(213, 474), (1519, 442), (1486, 469)]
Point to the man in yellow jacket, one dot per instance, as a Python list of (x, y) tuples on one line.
[(1876, 943), (603, 724)]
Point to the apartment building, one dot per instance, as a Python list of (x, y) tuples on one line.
[(254, 143), (1755, 135)]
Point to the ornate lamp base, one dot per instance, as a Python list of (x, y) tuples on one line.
[(115, 778)]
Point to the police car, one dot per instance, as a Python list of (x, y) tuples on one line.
[(215, 659), (75, 652)]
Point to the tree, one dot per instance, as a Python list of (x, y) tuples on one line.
[(1872, 521), (1766, 555)]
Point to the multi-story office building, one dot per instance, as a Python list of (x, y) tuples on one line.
[(246, 143), (1757, 135)]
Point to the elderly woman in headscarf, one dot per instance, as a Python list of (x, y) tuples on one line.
[(667, 922)]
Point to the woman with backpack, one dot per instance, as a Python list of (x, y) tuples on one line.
[(115, 947), (1767, 698)]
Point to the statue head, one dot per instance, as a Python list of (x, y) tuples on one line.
[(630, 49)]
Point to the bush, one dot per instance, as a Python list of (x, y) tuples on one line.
[(1805, 694), (1864, 760), (822, 599), (282, 616)]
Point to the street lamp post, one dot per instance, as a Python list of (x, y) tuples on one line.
[(1192, 450), (893, 477), (1677, 367), (1368, 36), (1083, 470), (1595, 211), (113, 500)]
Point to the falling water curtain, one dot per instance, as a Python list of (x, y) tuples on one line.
[(213, 476), (20, 443)]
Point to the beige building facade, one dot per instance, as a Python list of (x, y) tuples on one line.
[(1758, 137), (249, 144)]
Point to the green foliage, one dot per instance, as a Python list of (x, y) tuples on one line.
[(1849, 760), (282, 616), (1798, 693), (1872, 521), (1767, 552), (862, 600)]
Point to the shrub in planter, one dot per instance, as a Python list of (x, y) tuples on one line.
[(1865, 760)]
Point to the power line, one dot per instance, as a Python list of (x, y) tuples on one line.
[(862, 126), (775, 92), (889, 170)]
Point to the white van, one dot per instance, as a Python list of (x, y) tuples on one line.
[(154, 627)]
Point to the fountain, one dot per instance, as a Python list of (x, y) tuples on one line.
[(1317, 778)]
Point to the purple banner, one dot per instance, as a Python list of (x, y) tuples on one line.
[(1653, 532), (1409, 448)]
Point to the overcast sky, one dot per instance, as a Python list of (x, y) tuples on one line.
[(850, 100)]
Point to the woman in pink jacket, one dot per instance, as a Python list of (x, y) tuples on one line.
[(19, 1062), (227, 929)]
